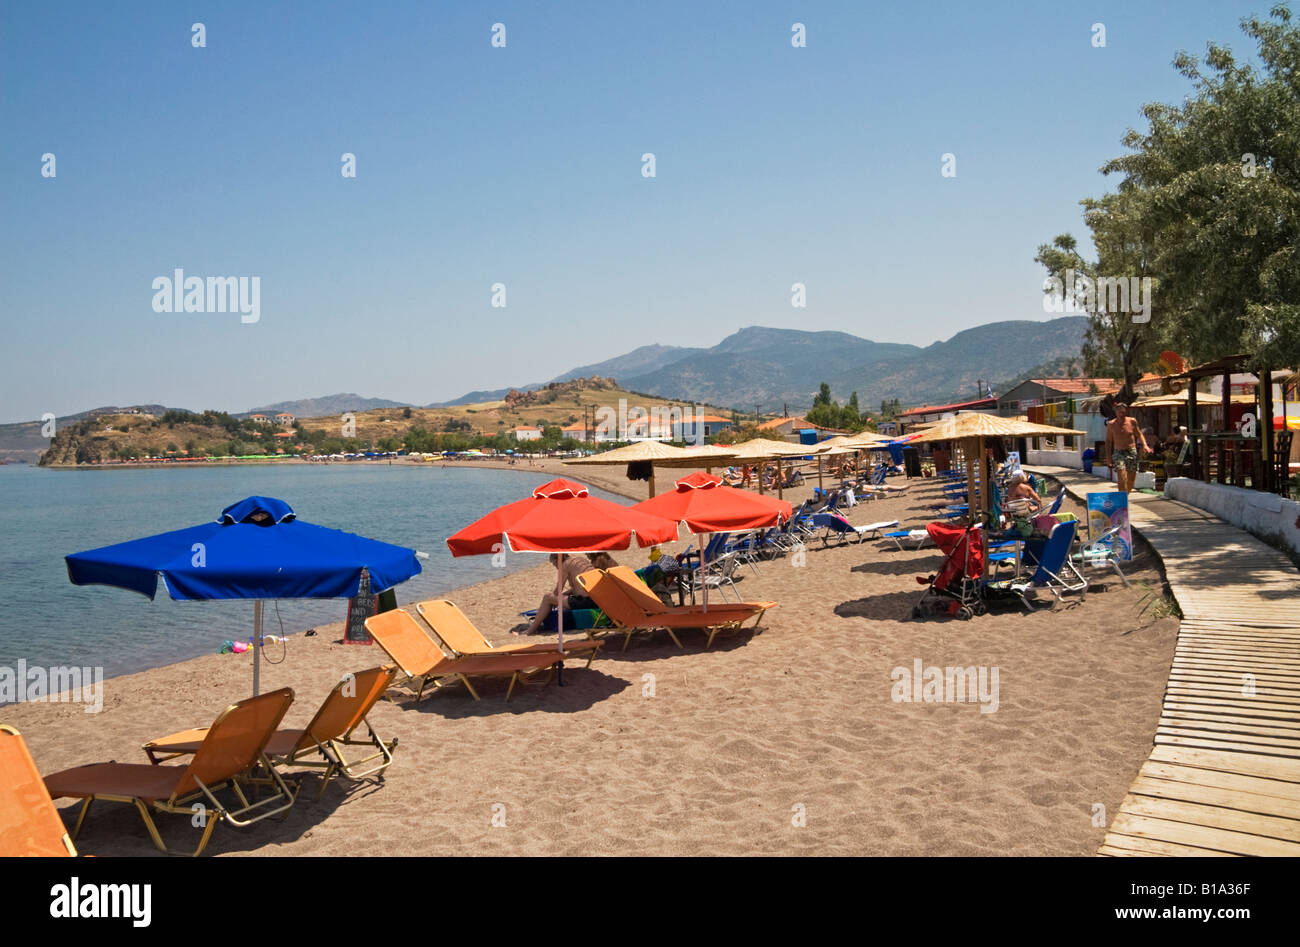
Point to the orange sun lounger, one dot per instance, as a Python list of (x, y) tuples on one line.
[(29, 822), (640, 593), (419, 656), (630, 617), (345, 708), (462, 639), (233, 745)]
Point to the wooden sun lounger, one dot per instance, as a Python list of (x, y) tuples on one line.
[(459, 636), (29, 822), (419, 656), (330, 730), (614, 601), (234, 744)]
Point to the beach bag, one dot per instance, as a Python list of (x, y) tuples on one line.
[(578, 619)]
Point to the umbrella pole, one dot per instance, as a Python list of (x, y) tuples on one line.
[(257, 646), (704, 562), (820, 491), (559, 616), (780, 487), (761, 465)]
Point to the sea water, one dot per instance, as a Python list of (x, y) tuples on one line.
[(47, 514)]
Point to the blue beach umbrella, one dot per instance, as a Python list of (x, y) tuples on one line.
[(257, 549)]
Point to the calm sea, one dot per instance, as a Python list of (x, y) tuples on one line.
[(48, 514)]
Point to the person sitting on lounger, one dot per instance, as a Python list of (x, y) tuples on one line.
[(1021, 489), (575, 564)]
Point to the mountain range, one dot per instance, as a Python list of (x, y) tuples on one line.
[(757, 367), (774, 368)]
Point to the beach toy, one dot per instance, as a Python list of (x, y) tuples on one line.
[(226, 647), (239, 647)]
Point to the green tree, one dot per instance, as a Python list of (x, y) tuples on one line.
[(1217, 180), (1114, 345)]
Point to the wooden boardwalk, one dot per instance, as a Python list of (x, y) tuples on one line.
[(1223, 777)]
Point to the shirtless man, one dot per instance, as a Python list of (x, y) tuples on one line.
[(1123, 437)]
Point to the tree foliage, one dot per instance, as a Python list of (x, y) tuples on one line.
[(1209, 204)]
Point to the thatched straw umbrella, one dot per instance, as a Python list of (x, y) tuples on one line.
[(761, 450), (972, 430), (706, 457), (652, 452)]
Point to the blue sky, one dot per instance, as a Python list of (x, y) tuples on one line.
[(522, 165)]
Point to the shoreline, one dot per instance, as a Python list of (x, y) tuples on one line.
[(331, 630)]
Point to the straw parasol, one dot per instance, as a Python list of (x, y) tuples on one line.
[(706, 456), (972, 429), (653, 452), (761, 449)]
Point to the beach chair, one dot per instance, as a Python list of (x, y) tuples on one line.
[(321, 743), (419, 657), (233, 745), (630, 617), (640, 593), (1051, 572), (29, 822), (459, 636), (918, 536), (718, 574), (1098, 554), (832, 524)]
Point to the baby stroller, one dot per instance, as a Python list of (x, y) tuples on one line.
[(955, 589)]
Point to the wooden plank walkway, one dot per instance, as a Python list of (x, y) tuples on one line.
[(1223, 777)]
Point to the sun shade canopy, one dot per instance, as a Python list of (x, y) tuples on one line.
[(988, 425), (256, 549), (561, 516), (705, 505)]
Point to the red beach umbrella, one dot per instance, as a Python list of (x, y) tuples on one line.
[(706, 505), (561, 517)]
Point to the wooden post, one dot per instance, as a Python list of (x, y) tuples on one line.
[(780, 487), (1265, 427), (1191, 428), (761, 465), (652, 479), (970, 447)]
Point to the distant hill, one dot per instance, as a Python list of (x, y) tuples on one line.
[(22, 441), (773, 368), (325, 406), (951, 370), (766, 367), (639, 361), (647, 358)]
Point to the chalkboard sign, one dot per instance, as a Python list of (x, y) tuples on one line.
[(359, 609)]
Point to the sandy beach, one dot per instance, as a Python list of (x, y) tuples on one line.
[(661, 751)]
